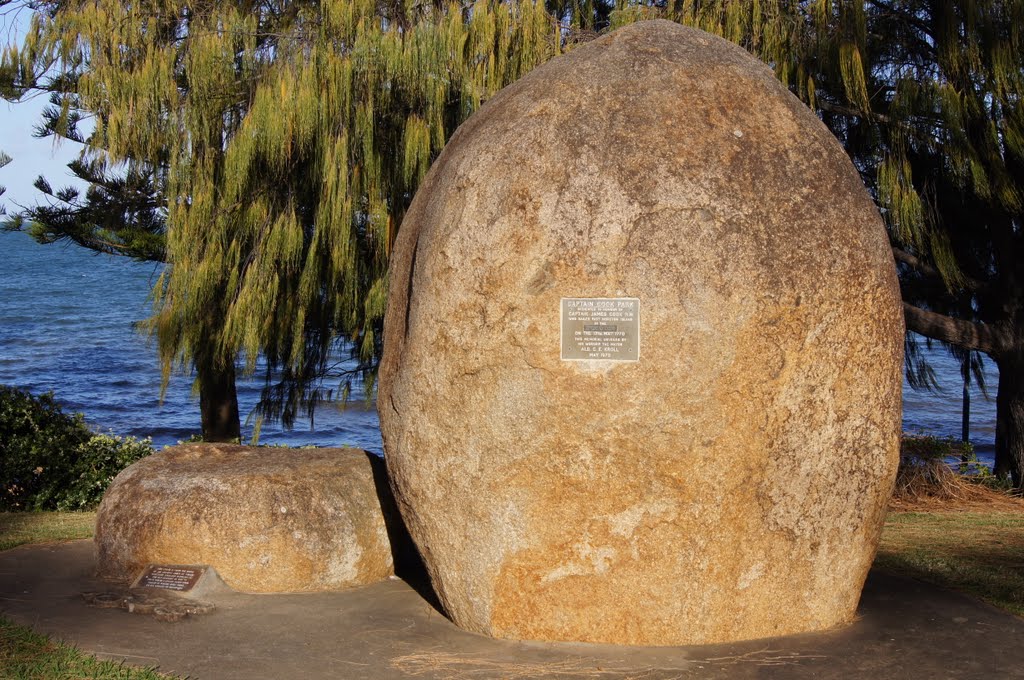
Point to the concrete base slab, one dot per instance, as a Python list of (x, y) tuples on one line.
[(905, 629)]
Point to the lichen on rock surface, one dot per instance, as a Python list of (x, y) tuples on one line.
[(267, 519), (731, 483)]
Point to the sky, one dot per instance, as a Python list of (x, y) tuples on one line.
[(30, 157)]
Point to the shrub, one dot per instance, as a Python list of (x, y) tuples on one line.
[(97, 463), (37, 441), (51, 460)]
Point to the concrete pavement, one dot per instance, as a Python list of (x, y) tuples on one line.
[(906, 629)]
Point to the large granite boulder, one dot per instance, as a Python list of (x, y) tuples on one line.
[(641, 377), (267, 519)]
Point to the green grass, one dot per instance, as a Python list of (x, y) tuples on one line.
[(981, 554), (27, 655), (17, 528)]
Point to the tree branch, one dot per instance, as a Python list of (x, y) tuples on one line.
[(922, 267), (850, 112), (980, 337), (914, 21)]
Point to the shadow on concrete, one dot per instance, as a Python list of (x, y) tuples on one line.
[(906, 629)]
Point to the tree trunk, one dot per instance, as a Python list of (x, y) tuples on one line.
[(1001, 342), (1010, 419), (218, 400)]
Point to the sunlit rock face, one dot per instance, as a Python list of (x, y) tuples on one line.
[(727, 477), (269, 520)]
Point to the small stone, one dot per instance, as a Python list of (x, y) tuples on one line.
[(169, 614), (194, 608), (140, 606), (267, 519), (105, 600)]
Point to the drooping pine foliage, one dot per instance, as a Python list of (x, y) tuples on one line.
[(286, 139), (926, 97), (929, 106)]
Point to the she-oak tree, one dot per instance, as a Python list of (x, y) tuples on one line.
[(272, 148), (292, 137), (926, 96)]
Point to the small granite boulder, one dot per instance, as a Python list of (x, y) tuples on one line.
[(267, 519), (643, 351)]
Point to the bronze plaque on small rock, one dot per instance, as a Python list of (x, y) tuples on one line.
[(179, 578), (600, 329)]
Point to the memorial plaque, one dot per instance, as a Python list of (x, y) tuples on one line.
[(600, 329), (170, 577)]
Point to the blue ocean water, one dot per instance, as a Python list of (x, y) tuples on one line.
[(66, 325)]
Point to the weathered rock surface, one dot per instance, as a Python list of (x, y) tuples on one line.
[(267, 519), (731, 483)]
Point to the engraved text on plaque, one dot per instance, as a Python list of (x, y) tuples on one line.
[(600, 329), (170, 577)]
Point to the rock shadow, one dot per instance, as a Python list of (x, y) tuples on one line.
[(409, 565)]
